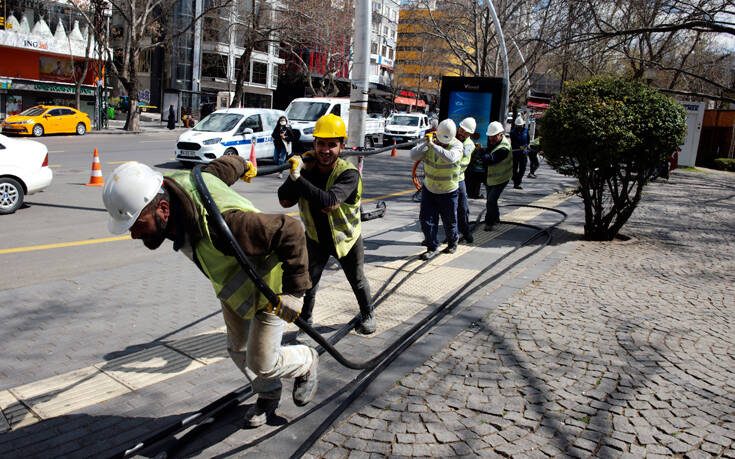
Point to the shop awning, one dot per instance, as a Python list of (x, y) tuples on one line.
[(409, 101), (541, 105)]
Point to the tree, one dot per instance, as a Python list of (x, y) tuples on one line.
[(610, 133), (137, 25), (316, 36)]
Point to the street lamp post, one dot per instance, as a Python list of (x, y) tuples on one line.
[(504, 56)]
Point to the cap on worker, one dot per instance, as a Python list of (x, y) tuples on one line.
[(127, 191), (494, 128), (469, 125), (330, 126), (519, 121), (446, 131)]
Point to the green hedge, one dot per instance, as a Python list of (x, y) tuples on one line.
[(725, 164)]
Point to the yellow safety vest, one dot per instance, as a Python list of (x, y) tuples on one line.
[(438, 173), (464, 161), (344, 221), (231, 284), (503, 171)]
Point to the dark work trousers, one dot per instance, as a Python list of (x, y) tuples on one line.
[(435, 205), (533, 160), (463, 211), (492, 213), (519, 166), (353, 267), (474, 182)]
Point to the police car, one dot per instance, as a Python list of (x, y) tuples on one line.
[(232, 131)]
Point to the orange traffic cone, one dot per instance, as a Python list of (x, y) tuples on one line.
[(96, 178), (394, 152), (252, 152)]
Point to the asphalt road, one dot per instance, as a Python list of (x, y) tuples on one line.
[(63, 231)]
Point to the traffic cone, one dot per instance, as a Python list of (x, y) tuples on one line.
[(252, 152), (96, 178), (394, 152)]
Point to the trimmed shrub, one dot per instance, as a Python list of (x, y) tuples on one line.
[(725, 164), (611, 134)]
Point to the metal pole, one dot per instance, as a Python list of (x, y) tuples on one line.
[(504, 56), (360, 79)]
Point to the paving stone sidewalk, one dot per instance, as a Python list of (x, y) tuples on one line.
[(624, 349)]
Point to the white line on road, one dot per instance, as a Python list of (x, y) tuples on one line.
[(57, 151)]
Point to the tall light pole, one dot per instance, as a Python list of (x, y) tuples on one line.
[(360, 80), (504, 56)]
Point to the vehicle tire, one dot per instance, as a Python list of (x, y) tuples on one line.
[(37, 130), (231, 152), (81, 129), (369, 142), (11, 195)]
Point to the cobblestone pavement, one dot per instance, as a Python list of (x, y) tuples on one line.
[(624, 349)]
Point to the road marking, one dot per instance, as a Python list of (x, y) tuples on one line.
[(31, 248), (122, 238), (118, 162), (56, 151), (54, 165)]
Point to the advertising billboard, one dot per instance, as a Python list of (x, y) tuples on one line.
[(471, 96)]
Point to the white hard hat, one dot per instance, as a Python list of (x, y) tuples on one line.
[(519, 121), (495, 128), (446, 131), (127, 191), (468, 124)]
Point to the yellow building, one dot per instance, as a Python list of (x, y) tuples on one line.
[(421, 59)]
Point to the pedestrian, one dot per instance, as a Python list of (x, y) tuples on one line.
[(154, 208), (171, 123), (519, 145), (328, 191), (533, 150), (440, 194), (464, 134), (499, 163), (283, 136)]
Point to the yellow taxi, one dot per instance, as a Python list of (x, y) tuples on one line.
[(47, 119)]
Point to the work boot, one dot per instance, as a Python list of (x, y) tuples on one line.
[(366, 325), (517, 187), (429, 254), (488, 227), (304, 387), (469, 238), (451, 248), (258, 414)]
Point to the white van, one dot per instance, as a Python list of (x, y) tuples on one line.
[(231, 131), (403, 127), (303, 112)]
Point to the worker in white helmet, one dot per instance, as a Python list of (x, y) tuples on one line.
[(519, 146), (155, 208), (499, 163), (464, 134), (439, 195)]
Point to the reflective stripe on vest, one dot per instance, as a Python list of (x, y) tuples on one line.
[(464, 161), (503, 171), (344, 221), (231, 284), (438, 174)]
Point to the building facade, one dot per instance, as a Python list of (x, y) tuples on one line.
[(39, 66)]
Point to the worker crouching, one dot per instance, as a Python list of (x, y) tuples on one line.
[(155, 208), (328, 190)]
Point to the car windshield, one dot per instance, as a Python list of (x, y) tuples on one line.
[(33, 111), (218, 122), (306, 111), (405, 120)]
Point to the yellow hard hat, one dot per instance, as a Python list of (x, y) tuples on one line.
[(330, 126)]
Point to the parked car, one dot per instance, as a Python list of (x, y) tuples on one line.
[(47, 119), (23, 170), (231, 131), (404, 127), (304, 111)]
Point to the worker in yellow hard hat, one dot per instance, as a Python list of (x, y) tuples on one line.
[(328, 191)]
